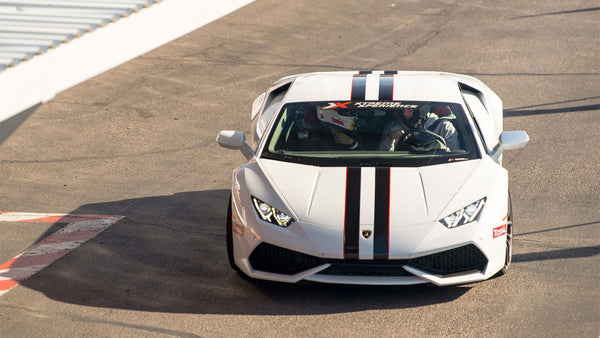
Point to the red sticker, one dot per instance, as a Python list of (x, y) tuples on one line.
[(500, 231), (338, 105), (334, 120), (238, 228)]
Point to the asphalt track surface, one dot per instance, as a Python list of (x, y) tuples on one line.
[(138, 141)]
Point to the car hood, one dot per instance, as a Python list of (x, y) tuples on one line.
[(323, 195)]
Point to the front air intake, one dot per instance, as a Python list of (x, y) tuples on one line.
[(270, 258), (461, 259)]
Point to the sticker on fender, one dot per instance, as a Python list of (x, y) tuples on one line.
[(238, 228), (499, 231)]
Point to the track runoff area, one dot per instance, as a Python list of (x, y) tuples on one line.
[(79, 229)]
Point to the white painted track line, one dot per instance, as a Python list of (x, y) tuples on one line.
[(51, 248)]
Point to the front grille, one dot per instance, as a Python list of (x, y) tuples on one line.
[(461, 259), (391, 268), (271, 258)]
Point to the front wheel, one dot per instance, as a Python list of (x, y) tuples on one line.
[(229, 237), (509, 239), (229, 241)]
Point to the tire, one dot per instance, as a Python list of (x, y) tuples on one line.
[(229, 237), (509, 240), (229, 242)]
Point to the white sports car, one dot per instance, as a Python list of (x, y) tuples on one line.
[(372, 177)]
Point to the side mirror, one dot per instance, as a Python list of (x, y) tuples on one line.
[(514, 139), (236, 140), (231, 139)]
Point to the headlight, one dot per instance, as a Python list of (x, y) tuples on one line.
[(465, 215), (270, 214)]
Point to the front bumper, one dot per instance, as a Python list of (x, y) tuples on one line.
[(418, 253), (465, 263)]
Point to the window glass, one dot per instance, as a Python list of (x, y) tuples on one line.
[(371, 133), (483, 119), (262, 122)]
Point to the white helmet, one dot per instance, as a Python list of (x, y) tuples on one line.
[(333, 117)]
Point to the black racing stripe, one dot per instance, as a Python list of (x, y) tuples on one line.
[(352, 213), (359, 87), (386, 87), (382, 214)]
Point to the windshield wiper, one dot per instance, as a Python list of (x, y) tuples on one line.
[(281, 157), (373, 162)]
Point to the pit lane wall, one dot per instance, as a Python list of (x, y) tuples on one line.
[(27, 85)]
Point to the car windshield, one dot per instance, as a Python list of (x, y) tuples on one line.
[(371, 133)]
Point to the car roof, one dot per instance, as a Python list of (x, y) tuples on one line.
[(407, 86)]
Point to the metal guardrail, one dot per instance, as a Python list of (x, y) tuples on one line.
[(32, 27)]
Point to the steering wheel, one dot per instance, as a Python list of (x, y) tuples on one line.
[(424, 141)]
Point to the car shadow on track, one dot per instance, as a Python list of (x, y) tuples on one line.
[(581, 252), (543, 109), (168, 255)]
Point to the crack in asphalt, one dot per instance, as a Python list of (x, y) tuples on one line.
[(170, 227), (108, 157), (178, 228)]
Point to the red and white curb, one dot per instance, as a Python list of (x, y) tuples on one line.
[(79, 229)]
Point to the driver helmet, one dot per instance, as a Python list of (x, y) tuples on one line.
[(343, 118), (443, 111), (414, 119)]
